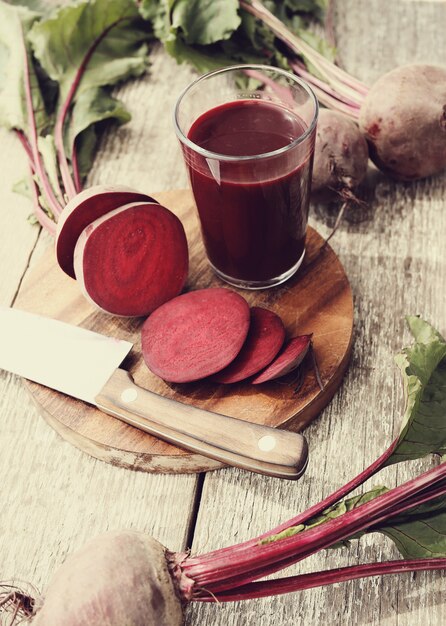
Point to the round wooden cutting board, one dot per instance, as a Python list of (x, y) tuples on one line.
[(316, 300)]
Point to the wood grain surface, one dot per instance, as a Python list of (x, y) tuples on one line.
[(316, 300), (55, 497)]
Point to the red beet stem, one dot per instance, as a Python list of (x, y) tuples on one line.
[(301, 582), (340, 81), (313, 511), (53, 203), (40, 214), (70, 186), (26, 146), (75, 168), (334, 103), (425, 495), (305, 543), (301, 70), (237, 581), (328, 95)]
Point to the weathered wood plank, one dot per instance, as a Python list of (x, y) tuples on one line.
[(396, 263), (376, 36)]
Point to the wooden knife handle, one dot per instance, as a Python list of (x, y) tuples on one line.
[(236, 442)]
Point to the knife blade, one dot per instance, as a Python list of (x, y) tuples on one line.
[(85, 365)]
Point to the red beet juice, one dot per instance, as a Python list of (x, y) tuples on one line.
[(253, 210)]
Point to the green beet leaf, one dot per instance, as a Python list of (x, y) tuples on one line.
[(202, 59), (199, 22), (111, 28), (192, 32), (423, 366), (332, 512), (419, 533), (85, 147), (92, 107), (296, 13), (307, 6), (205, 22), (210, 34), (76, 53), (41, 6), (106, 44), (157, 12), (15, 22)]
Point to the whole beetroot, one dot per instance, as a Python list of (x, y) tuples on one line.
[(340, 160), (117, 578), (340, 155), (404, 120)]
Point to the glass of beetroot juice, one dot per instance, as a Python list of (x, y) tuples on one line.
[(247, 133)]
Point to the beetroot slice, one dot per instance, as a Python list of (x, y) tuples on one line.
[(265, 338), (290, 357), (195, 335), (82, 210), (132, 260)]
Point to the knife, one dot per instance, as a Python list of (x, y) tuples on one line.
[(85, 365)]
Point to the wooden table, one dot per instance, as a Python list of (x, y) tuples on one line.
[(55, 497)]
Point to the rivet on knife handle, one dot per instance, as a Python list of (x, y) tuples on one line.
[(242, 444)]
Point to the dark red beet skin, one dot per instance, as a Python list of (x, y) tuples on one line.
[(340, 154), (265, 338), (403, 119), (133, 259), (195, 335), (290, 357), (84, 209)]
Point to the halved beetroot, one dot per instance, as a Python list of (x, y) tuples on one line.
[(265, 338), (290, 357), (84, 209), (132, 260), (195, 335)]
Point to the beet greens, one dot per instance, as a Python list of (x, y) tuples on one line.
[(56, 102)]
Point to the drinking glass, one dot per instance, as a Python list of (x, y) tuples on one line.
[(247, 134)]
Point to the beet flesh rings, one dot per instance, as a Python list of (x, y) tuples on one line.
[(132, 260), (195, 335)]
